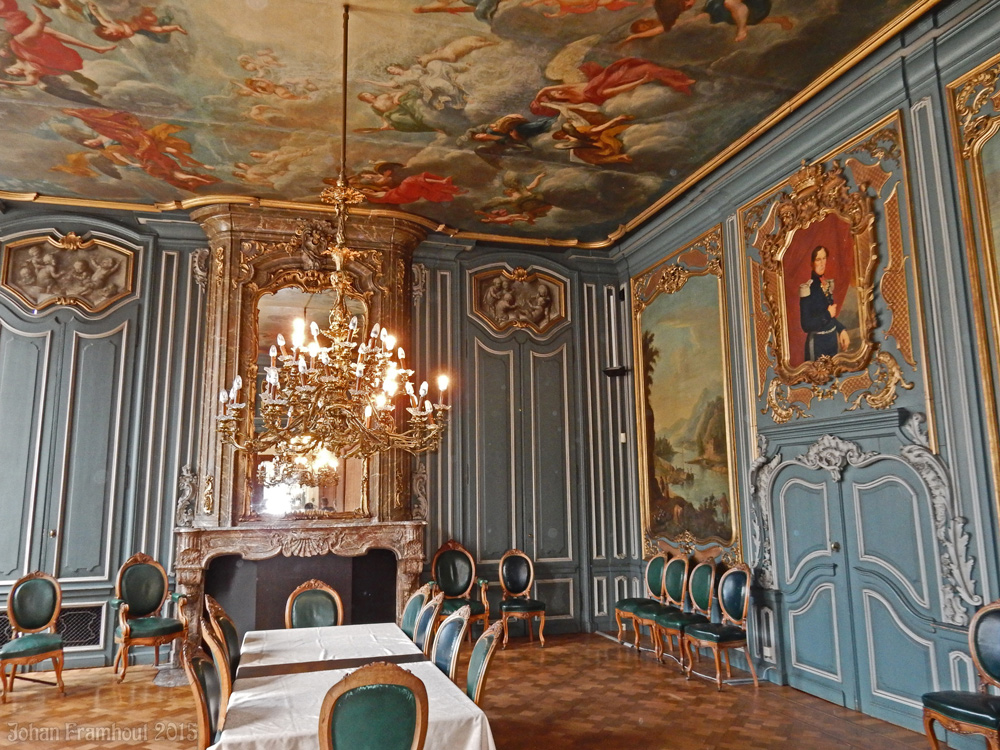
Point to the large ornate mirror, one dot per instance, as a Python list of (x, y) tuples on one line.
[(346, 493)]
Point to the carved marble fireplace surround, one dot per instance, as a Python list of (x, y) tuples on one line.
[(256, 248)]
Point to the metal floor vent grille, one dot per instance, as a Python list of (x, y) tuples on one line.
[(79, 626)]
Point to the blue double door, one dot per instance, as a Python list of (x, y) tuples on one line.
[(855, 562)]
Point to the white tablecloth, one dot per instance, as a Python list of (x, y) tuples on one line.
[(295, 645), (282, 712)]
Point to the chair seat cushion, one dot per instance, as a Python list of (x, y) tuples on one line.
[(453, 605), (972, 708), (654, 609), (151, 627), (629, 605), (680, 620), (522, 605), (715, 632), (31, 644)]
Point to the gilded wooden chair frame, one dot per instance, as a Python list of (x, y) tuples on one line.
[(424, 593), (992, 736), (462, 615), (313, 584), (621, 615), (669, 601), (527, 616), (453, 545), (692, 644), (670, 633), (493, 631), (56, 655), (125, 640), (434, 607), (378, 673), (202, 709)]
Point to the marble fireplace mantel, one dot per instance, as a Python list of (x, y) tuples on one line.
[(198, 546)]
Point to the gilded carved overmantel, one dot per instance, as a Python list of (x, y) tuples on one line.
[(254, 252)]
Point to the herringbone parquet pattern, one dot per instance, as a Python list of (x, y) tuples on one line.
[(580, 692)]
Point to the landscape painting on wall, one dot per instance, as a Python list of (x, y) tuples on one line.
[(682, 373)]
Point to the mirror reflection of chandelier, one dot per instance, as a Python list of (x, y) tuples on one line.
[(332, 393)]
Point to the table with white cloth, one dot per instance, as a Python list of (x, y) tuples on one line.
[(284, 676)]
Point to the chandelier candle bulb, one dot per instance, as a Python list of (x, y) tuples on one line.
[(281, 345)]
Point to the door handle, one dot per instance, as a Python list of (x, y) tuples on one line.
[(52, 533), (835, 546)]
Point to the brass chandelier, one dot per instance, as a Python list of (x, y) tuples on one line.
[(334, 396)]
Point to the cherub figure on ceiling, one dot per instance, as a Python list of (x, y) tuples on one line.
[(484, 10), (519, 202), (146, 22), (270, 165), (390, 182)]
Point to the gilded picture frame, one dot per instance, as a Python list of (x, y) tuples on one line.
[(819, 254), (974, 107), (686, 452)]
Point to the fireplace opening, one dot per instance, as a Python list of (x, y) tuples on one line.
[(254, 592)]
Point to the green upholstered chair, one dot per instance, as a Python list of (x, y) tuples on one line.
[(625, 608), (517, 576), (203, 677), (701, 593), (314, 604), (454, 572), (444, 652), (408, 620), (140, 592), (675, 581), (479, 661), (965, 711), (426, 619), (731, 631), (33, 606), (223, 630), (377, 707)]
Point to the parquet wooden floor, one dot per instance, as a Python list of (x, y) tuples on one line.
[(581, 692)]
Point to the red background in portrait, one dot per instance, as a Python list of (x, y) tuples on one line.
[(834, 234)]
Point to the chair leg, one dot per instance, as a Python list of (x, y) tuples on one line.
[(541, 628), (57, 665), (753, 672), (929, 731), (156, 656), (123, 653), (531, 635), (3, 679), (638, 635), (729, 669), (618, 619), (718, 667), (505, 620)]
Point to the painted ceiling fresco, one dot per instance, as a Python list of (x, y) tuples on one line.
[(529, 119)]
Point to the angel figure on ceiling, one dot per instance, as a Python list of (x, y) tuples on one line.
[(270, 165), (122, 141), (433, 74), (146, 22), (390, 182), (34, 51), (519, 202), (567, 7), (739, 13), (484, 10)]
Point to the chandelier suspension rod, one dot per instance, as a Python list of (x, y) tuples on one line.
[(343, 100)]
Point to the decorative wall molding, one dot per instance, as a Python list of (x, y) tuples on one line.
[(519, 299), (957, 585)]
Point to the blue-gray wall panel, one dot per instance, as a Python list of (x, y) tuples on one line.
[(494, 455), (552, 528)]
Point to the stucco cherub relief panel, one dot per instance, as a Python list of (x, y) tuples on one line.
[(91, 274), (506, 300)]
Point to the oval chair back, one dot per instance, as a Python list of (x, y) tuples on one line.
[(314, 604), (984, 644), (701, 588), (734, 595), (203, 677), (517, 573), (675, 581), (377, 707), (33, 606), (654, 575), (425, 623), (142, 585), (408, 620), (454, 570), (448, 638), (479, 661)]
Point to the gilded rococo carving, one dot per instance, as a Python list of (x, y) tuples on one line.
[(507, 300)]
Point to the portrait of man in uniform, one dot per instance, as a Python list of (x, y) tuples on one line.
[(825, 335)]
